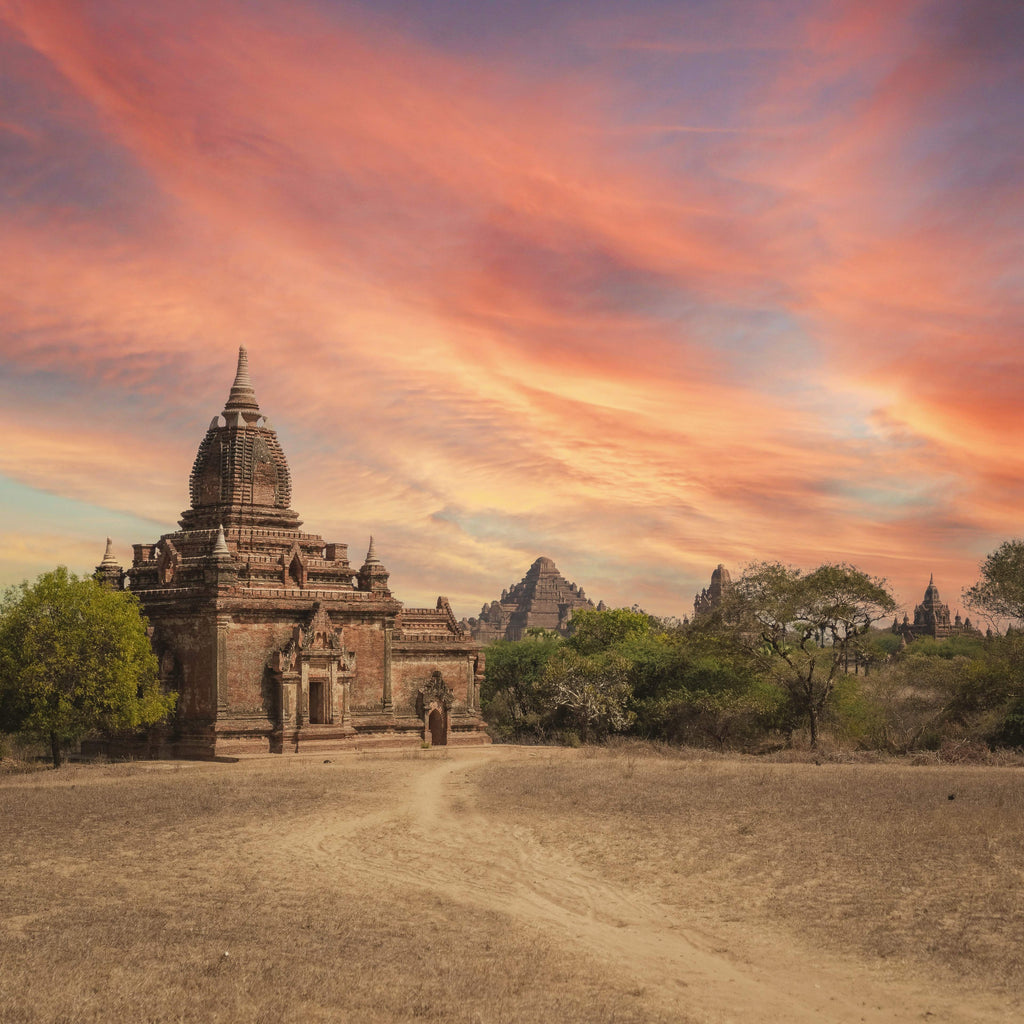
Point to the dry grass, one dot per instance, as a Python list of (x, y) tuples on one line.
[(923, 866), (293, 889), (159, 893)]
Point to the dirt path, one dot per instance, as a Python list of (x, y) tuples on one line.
[(435, 840)]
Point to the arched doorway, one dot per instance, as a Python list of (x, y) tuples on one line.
[(438, 733)]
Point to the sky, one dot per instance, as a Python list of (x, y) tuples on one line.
[(640, 286)]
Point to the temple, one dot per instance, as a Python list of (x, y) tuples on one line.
[(542, 599), (931, 618), (272, 638), (711, 596)]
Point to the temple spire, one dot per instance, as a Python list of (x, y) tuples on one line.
[(243, 397), (109, 558), (371, 555)]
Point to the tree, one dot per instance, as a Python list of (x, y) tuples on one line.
[(592, 631), (511, 694), (590, 691), (75, 658), (1000, 591), (805, 626)]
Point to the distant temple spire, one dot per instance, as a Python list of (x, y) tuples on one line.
[(109, 558)]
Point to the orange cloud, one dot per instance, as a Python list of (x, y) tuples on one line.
[(491, 312)]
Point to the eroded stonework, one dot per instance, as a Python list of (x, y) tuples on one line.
[(272, 638), (542, 599)]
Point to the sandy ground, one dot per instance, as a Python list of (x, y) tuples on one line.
[(434, 839), (363, 870)]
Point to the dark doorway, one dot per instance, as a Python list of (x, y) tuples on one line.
[(438, 734), (317, 711)]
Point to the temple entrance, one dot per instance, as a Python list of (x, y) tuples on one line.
[(438, 733), (317, 709)]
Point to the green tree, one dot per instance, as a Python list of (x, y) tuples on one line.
[(1000, 591), (512, 696), (74, 658), (592, 631), (590, 692), (988, 702), (804, 626)]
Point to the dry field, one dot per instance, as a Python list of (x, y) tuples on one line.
[(509, 884)]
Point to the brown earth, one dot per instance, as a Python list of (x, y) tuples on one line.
[(510, 884)]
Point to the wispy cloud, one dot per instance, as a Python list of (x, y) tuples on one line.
[(682, 286)]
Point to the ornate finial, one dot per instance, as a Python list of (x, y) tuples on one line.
[(242, 396), (931, 580), (220, 547), (108, 556), (371, 555)]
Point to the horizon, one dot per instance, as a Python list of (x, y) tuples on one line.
[(641, 288)]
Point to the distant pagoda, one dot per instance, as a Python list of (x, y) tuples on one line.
[(932, 619), (542, 599), (711, 597)]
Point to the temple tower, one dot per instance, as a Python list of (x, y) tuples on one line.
[(272, 638)]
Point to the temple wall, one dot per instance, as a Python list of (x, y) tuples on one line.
[(411, 672), (191, 640), (250, 646), (368, 641)]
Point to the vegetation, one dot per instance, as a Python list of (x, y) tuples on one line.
[(802, 627), (1000, 591), (74, 659), (790, 658)]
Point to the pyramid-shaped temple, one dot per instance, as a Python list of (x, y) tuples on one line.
[(542, 599), (273, 640)]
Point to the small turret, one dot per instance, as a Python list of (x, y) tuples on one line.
[(220, 547), (373, 576), (109, 572)]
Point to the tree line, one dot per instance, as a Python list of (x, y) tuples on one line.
[(787, 654), (787, 657)]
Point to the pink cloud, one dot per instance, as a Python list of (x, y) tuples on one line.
[(472, 297)]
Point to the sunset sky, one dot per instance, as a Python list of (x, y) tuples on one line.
[(642, 286)]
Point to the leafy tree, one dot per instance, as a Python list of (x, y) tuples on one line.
[(592, 631), (805, 626), (590, 692), (1000, 591), (74, 658), (512, 695), (691, 684)]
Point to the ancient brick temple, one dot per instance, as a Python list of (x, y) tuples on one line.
[(711, 596), (542, 599), (931, 618), (272, 638)]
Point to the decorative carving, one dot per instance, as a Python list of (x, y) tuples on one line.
[(320, 633), (264, 474), (434, 694), (167, 562)]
